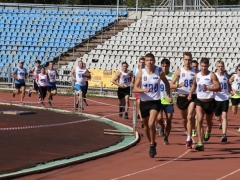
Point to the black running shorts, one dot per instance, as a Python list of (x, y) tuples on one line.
[(122, 92), (235, 101), (221, 106), (147, 106), (18, 86), (208, 107), (183, 102)]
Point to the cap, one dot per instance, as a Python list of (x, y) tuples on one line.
[(38, 61)]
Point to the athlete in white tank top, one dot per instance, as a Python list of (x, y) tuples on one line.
[(204, 81), (79, 75), (186, 80), (151, 81), (223, 95)]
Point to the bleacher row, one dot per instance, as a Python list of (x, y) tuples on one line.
[(45, 34), (211, 34)]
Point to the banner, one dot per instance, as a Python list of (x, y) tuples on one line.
[(104, 76)]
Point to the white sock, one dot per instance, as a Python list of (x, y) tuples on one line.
[(188, 138)]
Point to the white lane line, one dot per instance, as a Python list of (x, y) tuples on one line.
[(154, 167), (228, 174)]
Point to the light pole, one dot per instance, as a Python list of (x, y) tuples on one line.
[(136, 10)]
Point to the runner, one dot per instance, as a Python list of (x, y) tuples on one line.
[(166, 107), (42, 80), (235, 99), (20, 74), (79, 74), (124, 80), (148, 85), (51, 88), (141, 64), (184, 76), (205, 84), (222, 99), (35, 70)]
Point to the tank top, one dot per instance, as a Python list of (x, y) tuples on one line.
[(153, 82), (236, 85), (42, 80), (204, 81), (21, 73), (79, 78), (52, 74), (223, 95), (163, 91), (187, 78), (125, 78), (36, 71)]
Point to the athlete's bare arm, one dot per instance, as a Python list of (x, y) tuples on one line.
[(116, 78), (72, 74), (231, 79), (138, 82), (193, 88), (167, 85), (216, 87), (174, 84)]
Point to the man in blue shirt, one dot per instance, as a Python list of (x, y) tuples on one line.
[(19, 74)]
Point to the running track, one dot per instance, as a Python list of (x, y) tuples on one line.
[(218, 161)]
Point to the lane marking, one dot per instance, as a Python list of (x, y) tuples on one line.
[(149, 169), (228, 174)]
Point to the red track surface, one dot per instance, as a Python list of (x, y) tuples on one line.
[(218, 161)]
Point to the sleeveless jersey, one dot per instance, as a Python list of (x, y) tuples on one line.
[(204, 81), (125, 78), (187, 78), (21, 74), (153, 82), (163, 91), (79, 78), (36, 71), (236, 85), (223, 95), (52, 74), (42, 80)]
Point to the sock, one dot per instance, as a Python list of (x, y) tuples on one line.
[(188, 138)]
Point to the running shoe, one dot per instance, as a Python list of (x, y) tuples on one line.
[(86, 104), (29, 93), (165, 141), (50, 104), (199, 147), (194, 133), (126, 116), (138, 116), (207, 136), (40, 100), (120, 115), (224, 138), (152, 150), (189, 144), (13, 94), (220, 126), (239, 130), (161, 131)]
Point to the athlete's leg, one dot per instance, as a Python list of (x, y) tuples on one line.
[(151, 125), (200, 114), (190, 115), (184, 114), (224, 122), (23, 88), (168, 124)]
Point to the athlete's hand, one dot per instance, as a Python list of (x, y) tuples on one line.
[(203, 87), (181, 84), (234, 91), (147, 89), (189, 97), (169, 99)]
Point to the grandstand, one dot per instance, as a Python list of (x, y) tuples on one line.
[(212, 34), (34, 34)]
